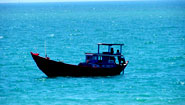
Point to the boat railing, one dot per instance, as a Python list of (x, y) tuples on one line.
[(109, 46)]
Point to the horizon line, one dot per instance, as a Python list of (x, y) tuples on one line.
[(57, 1)]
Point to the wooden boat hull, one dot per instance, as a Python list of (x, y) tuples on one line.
[(53, 68)]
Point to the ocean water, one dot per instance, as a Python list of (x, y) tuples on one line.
[(153, 33)]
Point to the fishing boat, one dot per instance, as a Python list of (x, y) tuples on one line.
[(96, 64)]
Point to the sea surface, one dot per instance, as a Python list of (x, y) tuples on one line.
[(153, 33)]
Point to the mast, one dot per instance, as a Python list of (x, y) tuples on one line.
[(98, 48), (45, 49), (121, 49), (109, 48)]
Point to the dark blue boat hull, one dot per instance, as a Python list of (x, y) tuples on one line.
[(53, 68)]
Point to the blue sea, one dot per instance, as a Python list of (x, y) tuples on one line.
[(153, 33)]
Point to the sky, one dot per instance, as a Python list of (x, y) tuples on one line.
[(27, 1)]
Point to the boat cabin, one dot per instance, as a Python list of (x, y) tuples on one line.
[(107, 59)]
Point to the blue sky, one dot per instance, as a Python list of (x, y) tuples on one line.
[(19, 1)]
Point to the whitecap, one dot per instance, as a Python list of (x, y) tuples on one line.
[(1, 37), (182, 83), (52, 35)]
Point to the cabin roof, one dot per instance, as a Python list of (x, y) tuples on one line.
[(100, 54), (108, 44)]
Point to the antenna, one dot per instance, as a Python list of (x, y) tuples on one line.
[(45, 48)]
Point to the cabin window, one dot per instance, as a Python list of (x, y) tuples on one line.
[(99, 58), (88, 57), (111, 61), (95, 58), (105, 58), (108, 66), (94, 65)]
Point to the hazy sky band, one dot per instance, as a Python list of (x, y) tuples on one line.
[(27, 1)]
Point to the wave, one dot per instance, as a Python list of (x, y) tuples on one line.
[(1, 37)]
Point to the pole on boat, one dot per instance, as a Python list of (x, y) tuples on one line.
[(45, 49), (120, 48), (98, 48), (109, 48)]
